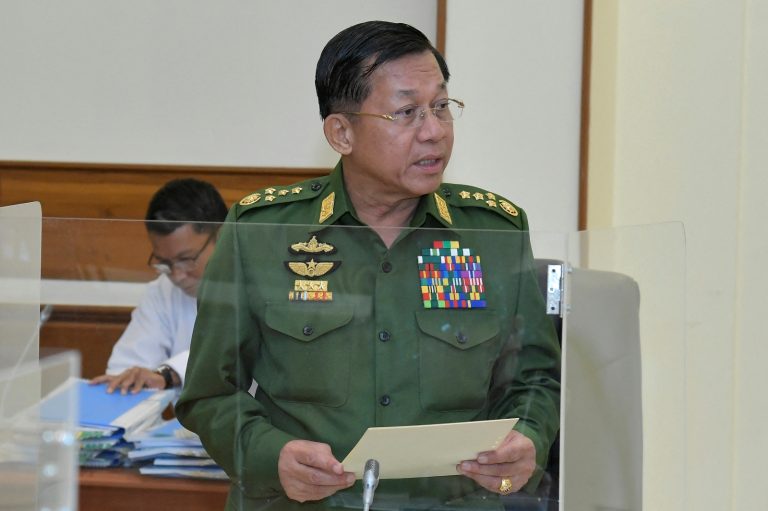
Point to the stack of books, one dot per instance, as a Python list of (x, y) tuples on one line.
[(169, 450), (102, 447)]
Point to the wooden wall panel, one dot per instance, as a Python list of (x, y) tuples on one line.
[(93, 190), (83, 249), (95, 250)]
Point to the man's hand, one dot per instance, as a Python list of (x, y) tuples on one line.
[(514, 459), (131, 380), (308, 471)]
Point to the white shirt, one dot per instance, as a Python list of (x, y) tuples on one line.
[(160, 330)]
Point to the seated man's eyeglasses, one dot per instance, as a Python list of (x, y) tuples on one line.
[(411, 116), (166, 267)]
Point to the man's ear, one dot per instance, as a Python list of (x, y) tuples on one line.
[(338, 132)]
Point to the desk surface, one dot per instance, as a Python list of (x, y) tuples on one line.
[(119, 489)]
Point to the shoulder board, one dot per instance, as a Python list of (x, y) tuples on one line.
[(464, 196), (273, 195)]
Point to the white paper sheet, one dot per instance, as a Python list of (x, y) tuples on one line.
[(427, 450)]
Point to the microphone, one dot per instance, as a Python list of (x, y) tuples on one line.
[(370, 482)]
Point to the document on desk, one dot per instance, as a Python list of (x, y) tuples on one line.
[(428, 450)]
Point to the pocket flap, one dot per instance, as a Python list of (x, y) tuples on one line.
[(463, 329), (305, 323)]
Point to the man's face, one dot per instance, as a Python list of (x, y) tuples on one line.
[(392, 161), (180, 248)]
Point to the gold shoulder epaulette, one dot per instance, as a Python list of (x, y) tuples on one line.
[(471, 196), (280, 195)]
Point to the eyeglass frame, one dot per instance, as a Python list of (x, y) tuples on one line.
[(167, 268), (421, 113)]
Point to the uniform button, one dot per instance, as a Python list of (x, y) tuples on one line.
[(461, 338), (384, 336), (308, 330), (315, 186), (386, 267), (385, 400), (446, 192)]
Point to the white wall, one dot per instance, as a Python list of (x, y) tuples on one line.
[(681, 96)]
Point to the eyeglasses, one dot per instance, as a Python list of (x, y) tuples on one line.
[(166, 267), (444, 110)]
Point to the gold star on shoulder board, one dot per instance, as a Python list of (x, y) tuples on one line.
[(282, 192), (491, 203), (478, 196), (269, 191), (296, 190), (269, 198), (465, 194), (490, 195)]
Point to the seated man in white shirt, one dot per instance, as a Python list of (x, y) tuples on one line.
[(182, 223)]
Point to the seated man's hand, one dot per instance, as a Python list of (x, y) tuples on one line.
[(513, 460), (308, 471), (131, 380)]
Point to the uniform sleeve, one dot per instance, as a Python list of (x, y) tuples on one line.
[(215, 402), (147, 340), (526, 379)]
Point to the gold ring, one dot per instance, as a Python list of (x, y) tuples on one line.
[(505, 488)]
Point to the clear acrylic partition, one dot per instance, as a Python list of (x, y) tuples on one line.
[(278, 302), (358, 347), (38, 446), (20, 235), (342, 335), (38, 434), (624, 407)]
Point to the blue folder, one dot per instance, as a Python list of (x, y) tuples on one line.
[(98, 412), (98, 408)]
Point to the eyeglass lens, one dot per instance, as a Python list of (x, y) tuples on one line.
[(444, 112), (180, 265)]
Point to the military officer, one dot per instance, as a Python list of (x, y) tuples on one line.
[(376, 296)]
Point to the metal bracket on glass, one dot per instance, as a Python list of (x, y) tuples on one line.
[(555, 289)]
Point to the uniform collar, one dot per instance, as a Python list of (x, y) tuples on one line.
[(431, 211), (432, 207), (334, 202)]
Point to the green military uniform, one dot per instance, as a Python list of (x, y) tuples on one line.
[(343, 333)]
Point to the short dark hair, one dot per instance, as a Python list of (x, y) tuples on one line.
[(185, 201), (342, 77)]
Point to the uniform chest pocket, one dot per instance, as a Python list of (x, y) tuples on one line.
[(457, 350), (306, 354)]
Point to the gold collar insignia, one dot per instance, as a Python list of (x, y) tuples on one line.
[(442, 208), (326, 208)]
